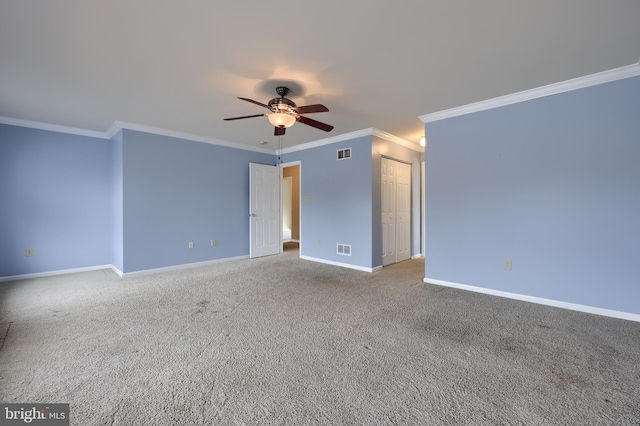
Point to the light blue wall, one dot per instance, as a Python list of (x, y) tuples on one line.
[(117, 232), (552, 184), (340, 208), (176, 191), (55, 197), (383, 148), (134, 201)]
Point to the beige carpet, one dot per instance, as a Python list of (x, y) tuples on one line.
[(280, 340)]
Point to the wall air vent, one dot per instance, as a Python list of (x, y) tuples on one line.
[(344, 249), (344, 154)]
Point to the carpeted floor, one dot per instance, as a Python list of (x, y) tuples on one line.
[(280, 340)]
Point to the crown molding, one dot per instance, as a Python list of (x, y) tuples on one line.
[(352, 135), (52, 127), (119, 125), (539, 92), (328, 141), (395, 139), (115, 127)]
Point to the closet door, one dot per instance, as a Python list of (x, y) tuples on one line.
[(388, 212), (403, 212), (396, 211)]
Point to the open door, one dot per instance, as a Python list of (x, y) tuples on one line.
[(264, 210)]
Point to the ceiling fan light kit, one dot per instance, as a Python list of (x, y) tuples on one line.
[(284, 113), (281, 119)]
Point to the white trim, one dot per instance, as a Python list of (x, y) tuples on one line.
[(115, 127), (119, 125), (184, 266), (371, 131), (539, 92), (391, 138), (423, 181), (58, 272), (117, 271), (293, 164), (328, 141), (52, 127), (539, 300), (417, 256), (344, 265), (290, 164)]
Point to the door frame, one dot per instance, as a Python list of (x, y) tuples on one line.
[(282, 167)]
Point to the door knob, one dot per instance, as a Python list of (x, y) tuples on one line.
[(252, 215)]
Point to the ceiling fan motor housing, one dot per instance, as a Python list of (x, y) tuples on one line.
[(282, 105)]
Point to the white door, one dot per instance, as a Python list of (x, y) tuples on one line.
[(403, 212), (388, 212), (396, 211), (264, 210)]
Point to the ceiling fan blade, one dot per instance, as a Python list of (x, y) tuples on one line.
[(308, 109), (255, 102), (279, 131), (244, 116), (314, 123)]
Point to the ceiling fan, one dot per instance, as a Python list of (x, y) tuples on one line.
[(284, 113)]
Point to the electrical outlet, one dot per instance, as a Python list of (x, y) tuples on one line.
[(29, 252), (213, 243), (319, 242), (190, 244), (507, 265), (309, 198)]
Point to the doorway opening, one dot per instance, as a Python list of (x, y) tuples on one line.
[(291, 214)]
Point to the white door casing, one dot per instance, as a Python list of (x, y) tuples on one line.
[(298, 195), (264, 210)]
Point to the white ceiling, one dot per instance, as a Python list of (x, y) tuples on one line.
[(180, 65)]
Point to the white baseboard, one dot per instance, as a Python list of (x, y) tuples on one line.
[(58, 272), (344, 265), (117, 271), (183, 266), (417, 256), (539, 300)]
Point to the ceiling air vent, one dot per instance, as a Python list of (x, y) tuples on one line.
[(344, 154), (344, 249)]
